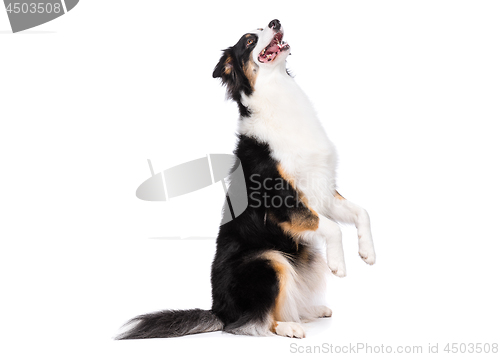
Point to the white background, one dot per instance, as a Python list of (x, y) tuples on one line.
[(408, 92)]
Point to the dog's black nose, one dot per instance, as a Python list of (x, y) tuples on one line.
[(275, 24)]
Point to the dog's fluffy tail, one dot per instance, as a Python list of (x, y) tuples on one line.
[(172, 323)]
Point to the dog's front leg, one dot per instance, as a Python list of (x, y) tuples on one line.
[(332, 234), (345, 211)]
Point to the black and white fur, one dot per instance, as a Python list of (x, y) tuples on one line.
[(268, 274)]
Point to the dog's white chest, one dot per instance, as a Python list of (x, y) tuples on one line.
[(311, 166), (299, 144)]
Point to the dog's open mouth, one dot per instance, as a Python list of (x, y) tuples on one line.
[(277, 45)]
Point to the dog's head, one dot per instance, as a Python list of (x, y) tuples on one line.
[(240, 64)]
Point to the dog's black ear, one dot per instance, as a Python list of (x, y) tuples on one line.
[(225, 65), (233, 78)]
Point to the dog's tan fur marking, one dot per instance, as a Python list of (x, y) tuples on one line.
[(304, 256), (250, 69), (228, 67), (283, 272), (339, 196), (286, 176), (301, 220), (291, 181)]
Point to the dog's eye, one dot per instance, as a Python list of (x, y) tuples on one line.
[(250, 41)]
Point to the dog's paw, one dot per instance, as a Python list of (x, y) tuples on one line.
[(366, 251), (323, 311), (338, 269), (290, 329)]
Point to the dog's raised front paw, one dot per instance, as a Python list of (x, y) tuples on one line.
[(338, 269), (366, 251)]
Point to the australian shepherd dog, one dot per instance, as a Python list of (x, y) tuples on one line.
[(269, 271)]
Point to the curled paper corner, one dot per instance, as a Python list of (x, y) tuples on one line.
[(195, 175)]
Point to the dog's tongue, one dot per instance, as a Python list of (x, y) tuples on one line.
[(272, 51), (274, 48)]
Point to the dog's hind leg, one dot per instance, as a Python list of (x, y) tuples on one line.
[(290, 329), (323, 311), (262, 297), (285, 312)]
